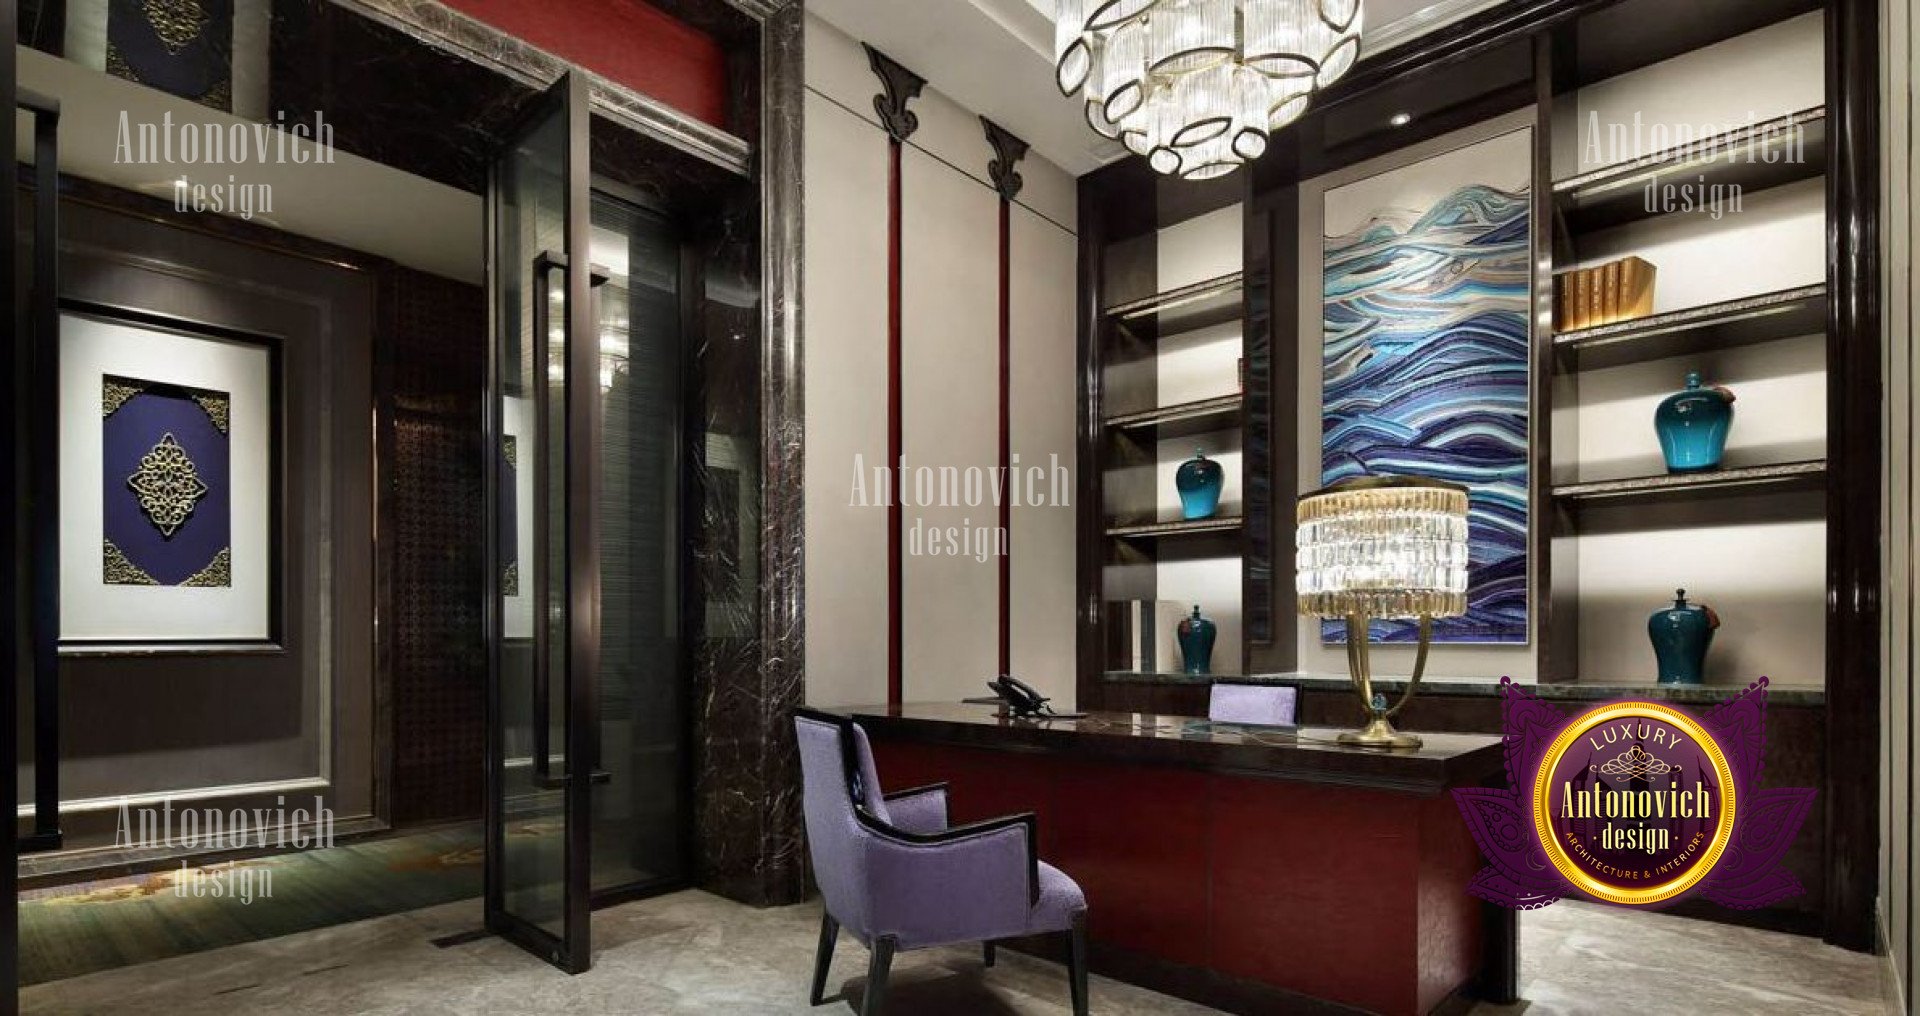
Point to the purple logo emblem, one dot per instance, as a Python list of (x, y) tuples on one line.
[(1634, 803)]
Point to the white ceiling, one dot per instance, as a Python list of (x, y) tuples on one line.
[(995, 58)]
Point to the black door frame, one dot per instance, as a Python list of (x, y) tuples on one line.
[(12, 635), (572, 951)]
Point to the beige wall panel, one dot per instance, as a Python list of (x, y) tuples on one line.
[(949, 292), (1044, 264), (845, 317)]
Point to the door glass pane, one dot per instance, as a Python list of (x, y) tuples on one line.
[(530, 312), (639, 811)]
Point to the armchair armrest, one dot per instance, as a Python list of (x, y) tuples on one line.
[(920, 809), (1025, 826)]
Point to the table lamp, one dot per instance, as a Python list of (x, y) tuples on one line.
[(1391, 548)]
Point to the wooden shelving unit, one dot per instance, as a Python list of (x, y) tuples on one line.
[(1139, 426), (1184, 420), (1188, 308), (1808, 475), (1697, 330), (1780, 151), (1607, 213), (1169, 530)]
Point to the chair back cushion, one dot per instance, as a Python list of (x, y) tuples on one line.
[(833, 833), (1274, 705)]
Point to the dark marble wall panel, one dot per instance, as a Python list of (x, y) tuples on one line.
[(748, 559), (432, 353)]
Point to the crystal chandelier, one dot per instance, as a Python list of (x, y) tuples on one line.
[(1197, 86)]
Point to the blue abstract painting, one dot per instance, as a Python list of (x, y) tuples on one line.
[(1426, 364)]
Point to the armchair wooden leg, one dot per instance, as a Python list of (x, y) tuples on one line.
[(823, 958), (1077, 963), (986, 952), (877, 966)]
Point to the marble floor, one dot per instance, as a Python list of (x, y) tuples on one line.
[(696, 953)]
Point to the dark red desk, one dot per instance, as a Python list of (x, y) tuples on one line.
[(1256, 875)]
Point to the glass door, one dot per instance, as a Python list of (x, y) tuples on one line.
[(641, 813), (543, 568)]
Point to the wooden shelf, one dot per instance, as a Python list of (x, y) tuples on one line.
[(1726, 325), (1183, 420), (1787, 475), (1201, 305), (1616, 195), (1165, 530)]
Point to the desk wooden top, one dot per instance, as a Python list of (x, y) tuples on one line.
[(1311, 755)]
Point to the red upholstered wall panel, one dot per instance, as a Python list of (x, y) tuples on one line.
[(626, 41)]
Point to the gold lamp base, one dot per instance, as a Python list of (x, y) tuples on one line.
[(1380, 734)]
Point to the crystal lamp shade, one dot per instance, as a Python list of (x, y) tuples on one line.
[(1391, 547), (1199, 86)]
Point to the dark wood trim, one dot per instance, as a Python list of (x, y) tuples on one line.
[(1853, 453), (901, 795), (1459, 41), (899, 87), (1008, 150), (1006, 421), (896, 437), (1002, 169), (1089, 535), (1555, 633)]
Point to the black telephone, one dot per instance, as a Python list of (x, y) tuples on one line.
[(1023, 702)]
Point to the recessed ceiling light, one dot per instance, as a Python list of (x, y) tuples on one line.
[(1400, 119)]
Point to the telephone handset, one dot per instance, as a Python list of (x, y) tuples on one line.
[(1023, 702)]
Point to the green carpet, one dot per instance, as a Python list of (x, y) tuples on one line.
[(76, 929)]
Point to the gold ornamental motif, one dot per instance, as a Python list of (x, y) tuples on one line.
[(176, 22), (218, 574), (510, 450), (117, 570), (510, 580), (218, 407), (167, 484), (115, 393)]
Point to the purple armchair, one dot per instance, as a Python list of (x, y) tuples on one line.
[(894, 873)]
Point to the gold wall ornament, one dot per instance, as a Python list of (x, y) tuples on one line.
[(117, 570), (167, 484), (176, 22), (218, 574), (219, 409), (510, 580), (116, 392)]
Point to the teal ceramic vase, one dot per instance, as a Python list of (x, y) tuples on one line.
[(1199, 480), (1196, 635), (1693, 426), (1681, 634)]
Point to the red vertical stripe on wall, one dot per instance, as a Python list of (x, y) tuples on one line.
[(1006, 435), (896, 435), (628, 41)]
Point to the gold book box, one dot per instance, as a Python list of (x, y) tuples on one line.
[(1603, 295)]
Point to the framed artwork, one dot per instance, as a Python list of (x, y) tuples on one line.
[(1426, 363), (168, 484)]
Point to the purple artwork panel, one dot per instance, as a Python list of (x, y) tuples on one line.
[(139, 531)]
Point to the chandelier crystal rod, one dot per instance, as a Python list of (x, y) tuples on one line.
[(1198, 87)]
